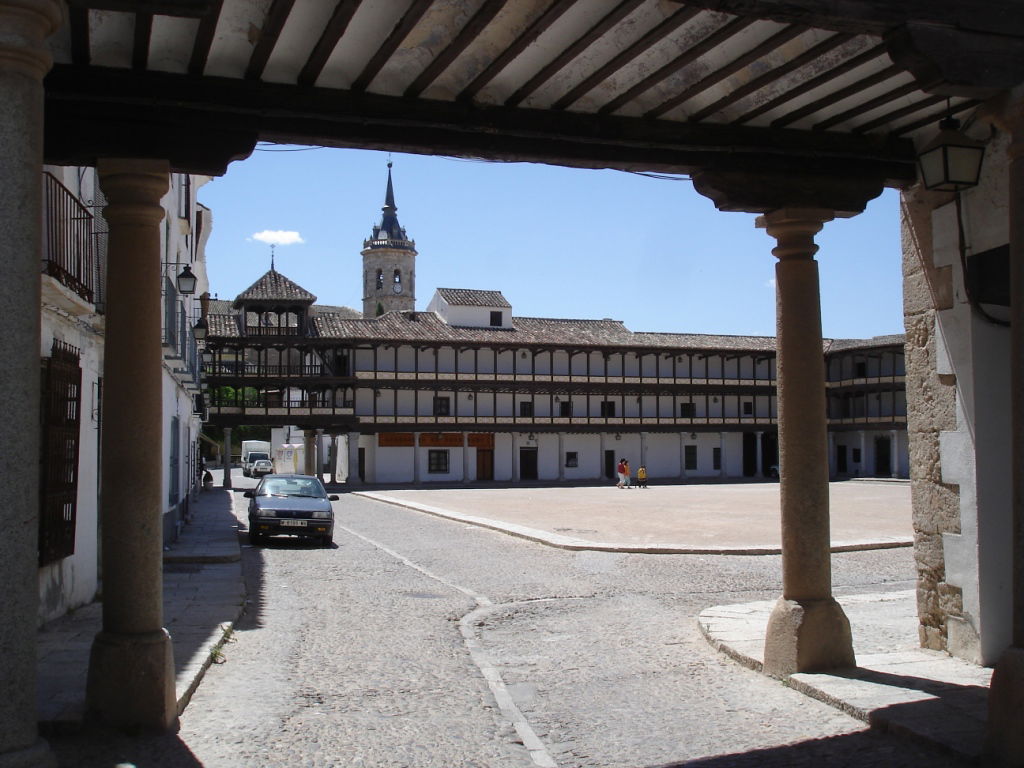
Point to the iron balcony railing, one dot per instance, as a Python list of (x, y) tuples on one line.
[(68, 244)]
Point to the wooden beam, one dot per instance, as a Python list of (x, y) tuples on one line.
[(401, 30), (837, 95), (329, 38), (466, 36), (956, 62), (712, 41), (140, 46), (180, 8), (773, 75), (78, 19), (934, 118), (875, 17), (204, 39), (866, 106), (521, 43), (780, 38), (173, 104), (593, 34), (274, 22), (891, 117), (638, 48), (847, 66)]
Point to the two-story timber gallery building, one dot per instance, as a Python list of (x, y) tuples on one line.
[(467, 391)]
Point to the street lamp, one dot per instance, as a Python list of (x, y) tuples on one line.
[(186, 281), (200, 329), (951, 161)]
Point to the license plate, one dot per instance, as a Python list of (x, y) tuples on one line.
[(294, 523)]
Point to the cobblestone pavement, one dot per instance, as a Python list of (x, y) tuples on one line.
[(420, 642)]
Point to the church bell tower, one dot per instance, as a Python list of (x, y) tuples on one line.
[(389, 264)]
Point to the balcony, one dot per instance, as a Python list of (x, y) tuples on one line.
[(69, 255)]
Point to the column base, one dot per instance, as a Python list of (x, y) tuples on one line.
[(131, 681), (807, 636), (36, 756), (1004, 737)]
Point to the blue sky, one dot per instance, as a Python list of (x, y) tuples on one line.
[(557, 242)]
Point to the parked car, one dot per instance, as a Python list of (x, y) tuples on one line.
[(262, 467), (292, 505)]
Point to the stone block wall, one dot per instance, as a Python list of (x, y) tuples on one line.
[(931, 409)]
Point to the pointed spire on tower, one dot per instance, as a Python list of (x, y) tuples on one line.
[(389, 233)]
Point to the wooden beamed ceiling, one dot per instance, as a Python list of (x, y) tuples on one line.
[(830, 87)]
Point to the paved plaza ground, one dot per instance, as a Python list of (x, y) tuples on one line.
[(741, 518)]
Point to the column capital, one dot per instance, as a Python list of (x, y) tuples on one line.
[(133, 188), (25, 25), (794, 229)]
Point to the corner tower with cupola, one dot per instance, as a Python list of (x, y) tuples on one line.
[(389, 263)]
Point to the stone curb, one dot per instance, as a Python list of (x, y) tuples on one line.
[(574, 544), (851, 691), (201, 661)]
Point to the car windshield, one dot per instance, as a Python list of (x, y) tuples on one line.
[(292, 486)]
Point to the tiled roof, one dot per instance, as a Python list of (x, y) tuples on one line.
[(346, 312), (427, 326), (462, 297), (331, 322), (844, 345), (274, 286), (705, 341)]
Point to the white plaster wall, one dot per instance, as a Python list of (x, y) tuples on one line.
[(977, 455), (73, 581), (454, 472), (589, 460), (547, 456), (662, 455), (503, 456), (732, 454), (393, 465)]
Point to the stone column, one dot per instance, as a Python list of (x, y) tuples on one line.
[(227, 457), (894, 453), (721, 454), (602, 447), (415, 457), (561, 457), (759, 471), (807, 629), (353, 478), (831, 455), (515, 457), (320, 455), (334, 459), (682, 456), (309, 451), (23, 63), (643, 449), (1004, 739), (465, 458), (131, 670), (862, 468)]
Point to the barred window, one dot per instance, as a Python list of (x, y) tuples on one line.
[(61, 408), (437, 462)]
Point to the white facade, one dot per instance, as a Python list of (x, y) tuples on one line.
[(72, 315)]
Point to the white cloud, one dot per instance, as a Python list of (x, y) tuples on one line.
[(278, 237)]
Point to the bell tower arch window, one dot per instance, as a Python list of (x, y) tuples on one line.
[(380, 279)]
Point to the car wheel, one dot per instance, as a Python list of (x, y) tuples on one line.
[(255, 539), (327, 541)]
